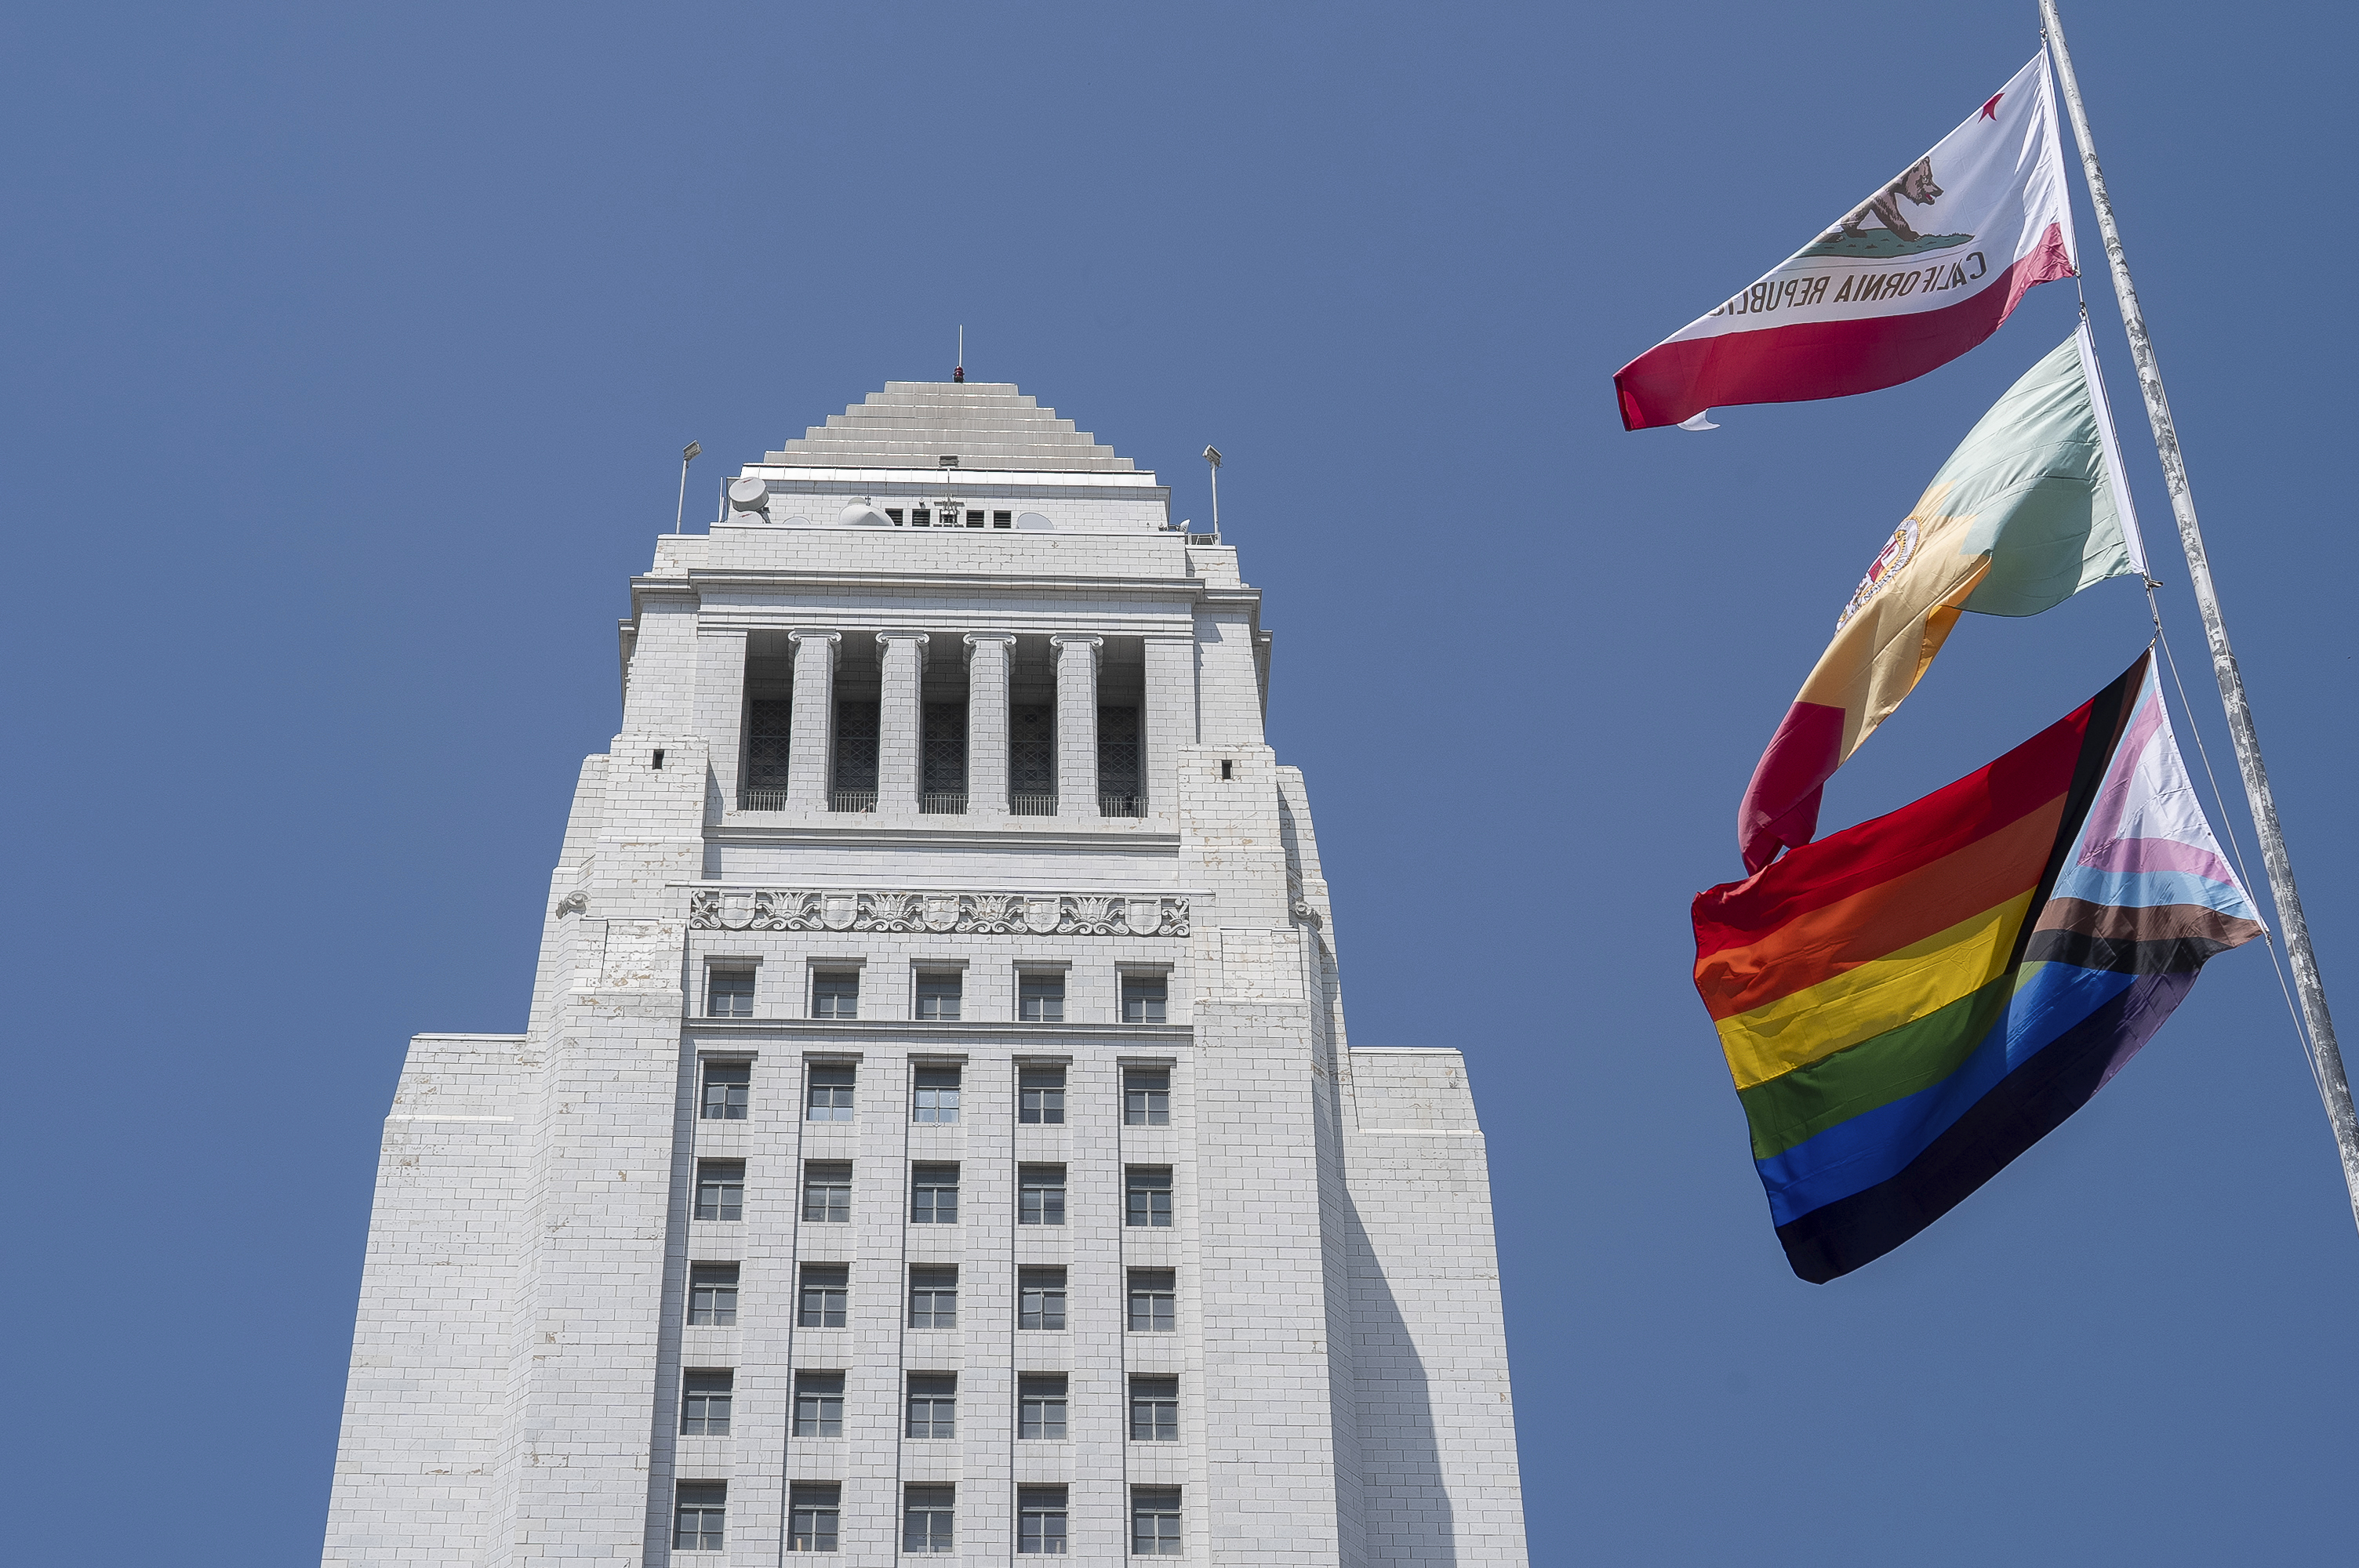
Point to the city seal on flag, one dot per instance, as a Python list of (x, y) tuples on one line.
[(1915, 276), (1895, 555)]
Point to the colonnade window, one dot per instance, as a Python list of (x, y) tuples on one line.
[(943, 788), (1120, 788), (855, 784), (769, 728), (1032, 759)]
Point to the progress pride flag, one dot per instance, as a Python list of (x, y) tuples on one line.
[(1916, 275)]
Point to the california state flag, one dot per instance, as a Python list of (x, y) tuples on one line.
[(1914, 277)]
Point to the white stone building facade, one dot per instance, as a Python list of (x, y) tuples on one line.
[(935, 1134)]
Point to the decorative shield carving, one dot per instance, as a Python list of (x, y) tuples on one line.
[(1143, 915), (736, 910), (941, 911), (1041, 916), (839, 910)]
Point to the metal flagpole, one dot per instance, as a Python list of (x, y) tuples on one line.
[(2326, 1057)]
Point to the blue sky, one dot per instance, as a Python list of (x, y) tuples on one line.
[(349, 354)]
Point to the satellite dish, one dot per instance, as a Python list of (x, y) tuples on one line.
[(860, 514), (792, 522), (748, 494), (1033, 523)]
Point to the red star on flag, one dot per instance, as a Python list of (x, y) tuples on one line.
[(1990, 109)]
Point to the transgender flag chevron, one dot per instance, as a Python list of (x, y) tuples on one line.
[(1908, 1004)]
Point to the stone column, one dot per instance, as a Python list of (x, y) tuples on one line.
[(1169, 721), (902, 662), (1077, 723), (810, 751), (720, 714), (986, 722)]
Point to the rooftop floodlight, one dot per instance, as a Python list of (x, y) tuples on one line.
[(686, 456)]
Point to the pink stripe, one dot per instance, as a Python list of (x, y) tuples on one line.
[(2112, 800), (1672, 381), (2134, 855)]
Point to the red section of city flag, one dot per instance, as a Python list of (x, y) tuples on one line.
[(1680, 379)]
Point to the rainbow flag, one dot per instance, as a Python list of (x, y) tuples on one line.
[(1908, 1005)]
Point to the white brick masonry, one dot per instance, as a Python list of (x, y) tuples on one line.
[(1334, 1330)]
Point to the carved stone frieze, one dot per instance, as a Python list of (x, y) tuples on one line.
[(970, 913)]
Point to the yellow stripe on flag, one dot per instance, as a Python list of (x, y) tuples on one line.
[(1864, 1002)]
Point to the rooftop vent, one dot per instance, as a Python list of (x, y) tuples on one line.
[(948, 461)]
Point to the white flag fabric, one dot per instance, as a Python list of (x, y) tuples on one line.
[(1914, 277)]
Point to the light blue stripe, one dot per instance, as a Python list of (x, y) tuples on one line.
[(1877, 1145), (2147, 889)]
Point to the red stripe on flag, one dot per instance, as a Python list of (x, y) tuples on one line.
[(1812, 875), (1676, 381)]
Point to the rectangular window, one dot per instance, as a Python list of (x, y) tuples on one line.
[(1154, 1521), (1146, 1096), (721, 1189), (928, 1517), (1040, 1298), (699, 1510), (1040, 1194), (1149, 1188), (1040, 1520), (769, 730), (933, 1195), (812, 1515), (704, 1399), (831, 1091), (974, 519), (934, 1093), (1002, 520), (1041, 998), (1040, 1406), (1040, 1095), (895, 514), (819, 1404), (712, 1295), (922, 517), (835, 993), (826, 1295), (1154, 1301), (933, 1404), (827, 1192), (938, 1002), (1154, 1410), (727, 1087), (933, 1295), (728, 993), (1142, 997)]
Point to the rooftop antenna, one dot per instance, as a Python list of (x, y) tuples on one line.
[(1213, 455), (959, 372), (679, 512)]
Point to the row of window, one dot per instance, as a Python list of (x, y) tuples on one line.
[(939, 995), (933, 1192), (708, 1397), (831, 1091), (855, 743), (823, 1297), (928, 1517)]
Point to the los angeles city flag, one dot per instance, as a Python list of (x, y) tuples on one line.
[(2029, 511), (1918, 274)]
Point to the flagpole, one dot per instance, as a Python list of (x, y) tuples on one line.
[(2326, 1057)]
